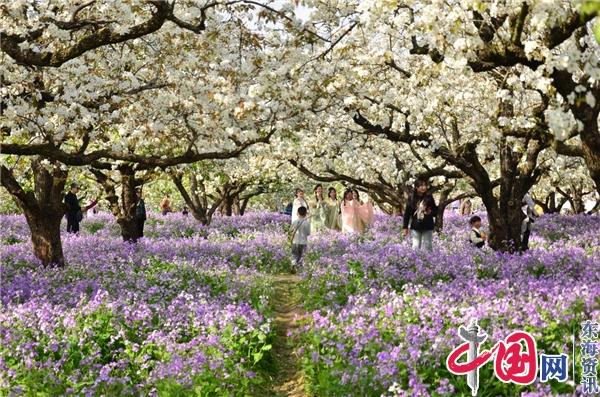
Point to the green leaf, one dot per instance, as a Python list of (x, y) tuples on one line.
[(590, 7), (266, 347), (596, 30)]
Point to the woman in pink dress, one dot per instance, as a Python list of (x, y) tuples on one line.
[(356, 216), (348, 211), (364, 212)]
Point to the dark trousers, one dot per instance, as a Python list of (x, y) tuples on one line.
[(297, 253), (525, 233), (525, 242), (140, 227), (72, 223)]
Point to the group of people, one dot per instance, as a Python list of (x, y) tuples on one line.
[(349, 215)]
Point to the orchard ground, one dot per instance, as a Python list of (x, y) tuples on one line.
[(192, 310)]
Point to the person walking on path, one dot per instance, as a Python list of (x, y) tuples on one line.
[(419, 216), (299, 238), (140, 214)]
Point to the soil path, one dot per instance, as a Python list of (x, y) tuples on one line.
[(286, 299)]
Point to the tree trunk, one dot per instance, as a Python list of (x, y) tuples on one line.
[(577, 202), (244, 205), (129, 230), (590, 139), (196, 199), (228, 204), (123, 209), (43, 208), (586, 112), (505, 228), (201, 216), (549, 206), (45, 236), (127, 220), (443, 203), (235, 205), (504, 212), (506, 217)]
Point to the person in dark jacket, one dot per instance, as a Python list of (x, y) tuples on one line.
[(140, 213), (74, 213), (419, 216)]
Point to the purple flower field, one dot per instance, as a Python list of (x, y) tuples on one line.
[(181, 311), (385, 316), (186, 311)]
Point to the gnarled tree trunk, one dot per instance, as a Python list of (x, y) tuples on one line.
[(43, 208), (587, 113), (442, 204), (550, 205), (124, 208), (504, 212), (231, 205), (196, 199)]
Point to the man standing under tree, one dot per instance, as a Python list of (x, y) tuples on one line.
[(140, 213), (74, 213)]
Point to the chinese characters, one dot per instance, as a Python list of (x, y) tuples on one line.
[(589, 360)]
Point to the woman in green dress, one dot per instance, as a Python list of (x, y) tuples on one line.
[(319, 210), (333, 219)]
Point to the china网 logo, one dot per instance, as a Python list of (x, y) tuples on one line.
[(515, 359)]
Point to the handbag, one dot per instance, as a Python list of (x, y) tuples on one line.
[(79, 215)]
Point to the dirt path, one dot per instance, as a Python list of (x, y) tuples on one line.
[(286, 299)]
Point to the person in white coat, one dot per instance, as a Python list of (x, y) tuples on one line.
[(299, 201)]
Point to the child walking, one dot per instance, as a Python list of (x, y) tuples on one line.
[(300, 233), (476, 237)]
